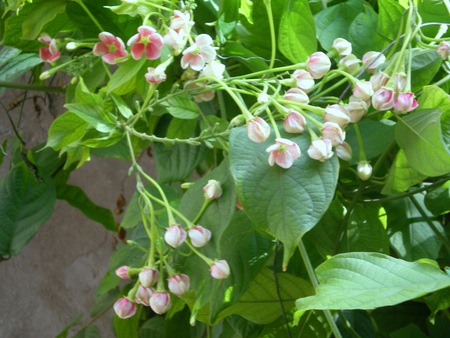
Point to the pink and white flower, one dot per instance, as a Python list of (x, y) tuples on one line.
[(124, 308), (356, 109), (155, 75), (176, 40), (318, 64), (373, 60), (175, 236), (199, 54), (296, 95), (199, 236), (51, 52), (258, 130), (400, 80), (333, 132), (304, 80), (363, 90), (148, 277), (344, 151), (179, 284), (220, 269), (181, 21), (320, 150), (294, 123), (349, 64), (342, 46), (212, 190), (338, 114), (383, 99), (122, 272), (143, 295), (147, 42), (404, 103), (379, 80), (284, 152), (110, 48), (213, 69), (160, 302), (443, 49)]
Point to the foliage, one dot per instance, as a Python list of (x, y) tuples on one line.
[(311, 142)]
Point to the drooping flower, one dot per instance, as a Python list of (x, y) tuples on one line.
[(110, 48), (294, 123), (318, 64), (349, 64), (400, 80), (213, 69), (258, 130), (155, 75), (199, 236), (404, 103), (373, 60), (176, 40), (148, 277), (342, 46), (199, 54), (296, 95), (379, 80), (344, 151), (320, 150), (181, 21), (363, 90), (304, 80), (333, 132), (212, 190), (124, 308), (122, 272), (179, 284), (160, 302), (443, 49), (175, 236), (220, 269), (51, 52), (143, 295), (356, 109), (383, 99), (284, 152), (147, 42), (338, 114)]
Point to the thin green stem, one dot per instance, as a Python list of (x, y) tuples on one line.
[(88, 12), (315, 283), (202, 210), (260, 73), (273, 40), (274, 124), (362, 154), (5, 84)]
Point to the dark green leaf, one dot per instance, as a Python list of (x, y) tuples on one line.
[(424, 66), (235, 51), (182, 107), (126, 328), (104, 302), (389, 19), (66, 129), (25, 204), (77, 198), (362, 32), (360, 322), (297, 33), (419, 135), (433, 11), (152, 328), (439, 300), (94, 115), (284, 203), (438, 199), (228, 18), (42, 13), (181, 128), (72, 323)]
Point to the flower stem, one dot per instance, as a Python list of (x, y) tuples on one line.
[(5, 84), (88, 12), (268, 5)]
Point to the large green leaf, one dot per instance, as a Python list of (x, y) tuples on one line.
[(369, 280), (433, 11), (182, 107), (440, 300), (25, 204), (94, 115), (44, 11), (77, 198), (297, 33), (66, 129), (284, 203), (123, 81), (17, 65), (362, 32), (410, 236), (425, 64), (126, 328), (419, 135), (389, 19), (437, 200), (244, 56)]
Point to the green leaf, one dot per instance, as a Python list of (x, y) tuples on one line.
[(389, 19), (130, 9), (152, 328), (246, 10), (90, 331), (437, 200), (18, 65), (261, 305), (245, 56), (123, 81), (227, 19), (104, 302), (25, 204), (419, 135), (410, 236), (360, 321), (439, 300), (433, 11), (284, 203), (83, 95), (425, 64), (401, 175), (124, 110), (362, 32), (7, 54), (176, 163), (126, 328), (94, 115), (182, 107), (77, 198), (181, 128), (42, 13), (297, 33), (66, 129), (369, 280)]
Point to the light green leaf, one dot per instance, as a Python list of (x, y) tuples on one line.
[(42, 13), (228, 18), (389, 19), (363, 32), (131, 9), (77, 198), (246, 10), (94, 115), (182, 107), (284, 203), (419, 135), (401, 175), (297, 33), (6, 54), (123, 81), (124, 110), (369, 280), (25, 204), (66, 129), (83, 95)]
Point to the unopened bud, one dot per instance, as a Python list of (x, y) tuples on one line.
[(175, 236), (124, 308), (122, 272), (199, 236), (148, 277), (364, 170), (160, 302), (220, 269), (179, 284)]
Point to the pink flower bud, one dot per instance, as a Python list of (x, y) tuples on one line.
[(179, 284), (220, 269), (400, 82), (199, 236), (212, 190), (318, 65), (304, 80), (320, 150), (356, 109), (383, 99), (148, 277), (51, 52), (160, 302), (373, 60), (296, 95), (258, 130), (342, 46), (337, 114), (124, 308), (122, 272), (155, 75), (284, 152), (349, 64), (344, 151), (379, 80), (239, 204), (443, 49), (363, 90), (143, 295), (333, 132), (364, 171), (404, 103), (175, 236), (294, 123)]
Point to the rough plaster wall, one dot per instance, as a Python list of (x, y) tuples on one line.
[(54, 278)]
